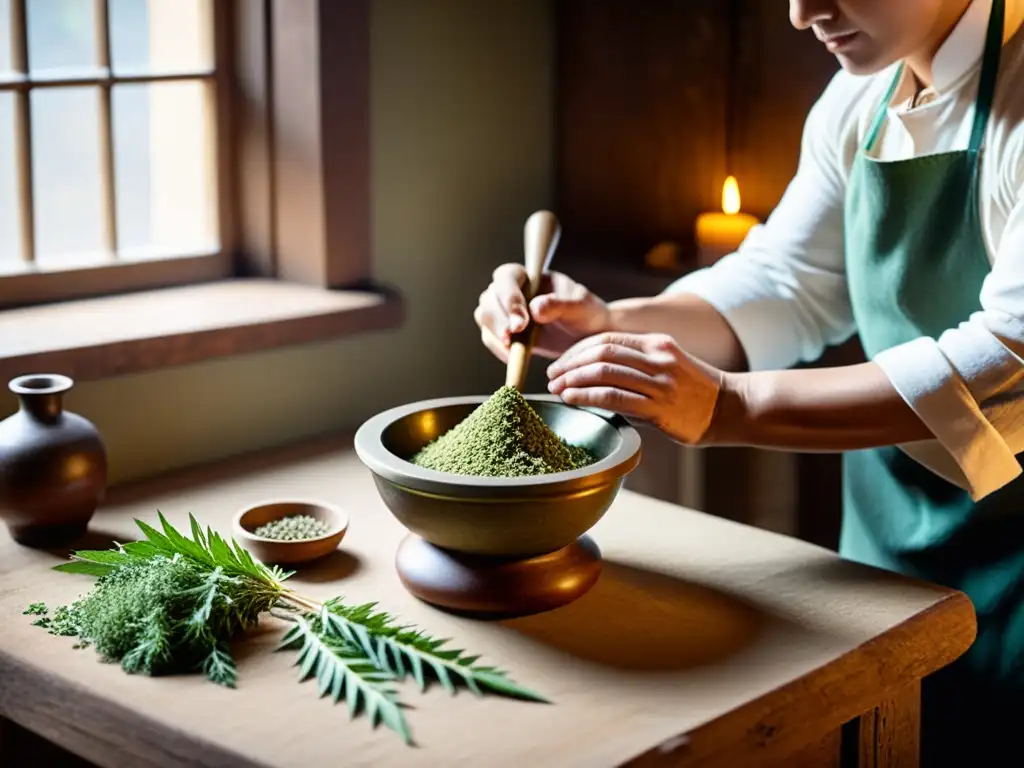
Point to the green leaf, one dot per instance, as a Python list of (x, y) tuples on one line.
[(208, 550), (105, 556), (498, 682), (219, 666), (81, 566), (141, 549), (154, 646), (441, 672), (236, 561), (184, 546), (279, 575), (220, 550), (343, 669), (207, 593), (98, 562), (290, 637), (197, 531), (244, 557), (157, 539), (417, 671), (388, 644)]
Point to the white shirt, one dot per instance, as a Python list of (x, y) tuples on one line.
[(784, 291)]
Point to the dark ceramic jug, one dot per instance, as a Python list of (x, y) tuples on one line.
[(53, 466)]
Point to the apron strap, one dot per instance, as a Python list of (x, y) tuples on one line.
[(989, 71), (986, 86), (879, 121)]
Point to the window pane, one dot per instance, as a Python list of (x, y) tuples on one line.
[(160, 35), (66, 173), (163, 158), (61, 36), (5, 37), (10, 237)]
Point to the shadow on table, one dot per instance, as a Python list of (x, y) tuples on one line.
[(641, 620), (339, 564), (93, 538)]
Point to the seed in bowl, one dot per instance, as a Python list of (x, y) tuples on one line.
[(294, 528)]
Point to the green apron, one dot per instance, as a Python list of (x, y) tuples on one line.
[(916, 260)]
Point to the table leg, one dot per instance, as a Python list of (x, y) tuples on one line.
[(826, 753), (890, 734)]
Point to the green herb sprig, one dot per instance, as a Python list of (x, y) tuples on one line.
[(171, 604)]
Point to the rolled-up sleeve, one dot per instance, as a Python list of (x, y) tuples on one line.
[(784, 291), (966, 386)]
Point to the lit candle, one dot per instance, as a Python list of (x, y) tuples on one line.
[(719, 234)]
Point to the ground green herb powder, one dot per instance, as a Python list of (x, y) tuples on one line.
[(503, 437)]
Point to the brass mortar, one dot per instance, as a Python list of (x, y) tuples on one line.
[(519, 517)]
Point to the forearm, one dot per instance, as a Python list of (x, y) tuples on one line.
[(827, 409), (696, 326)]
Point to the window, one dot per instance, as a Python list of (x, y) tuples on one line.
[(215, 151), (111, 146)]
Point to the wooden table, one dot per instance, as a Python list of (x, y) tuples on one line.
[(705, 642)]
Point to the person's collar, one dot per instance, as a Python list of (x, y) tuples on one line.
[(961, 52)]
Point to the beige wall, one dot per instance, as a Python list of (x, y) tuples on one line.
[(463, 120)]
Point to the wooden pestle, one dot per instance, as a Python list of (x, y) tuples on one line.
[(540, 239)]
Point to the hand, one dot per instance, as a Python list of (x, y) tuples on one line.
[(645, 377), (565, 310)]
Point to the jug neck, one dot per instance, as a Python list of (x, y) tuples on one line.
[(41, 395)]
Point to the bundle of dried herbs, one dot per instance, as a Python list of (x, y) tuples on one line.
[(172, 604), (503, 437)]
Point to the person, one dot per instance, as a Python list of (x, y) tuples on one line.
[(904, 223)]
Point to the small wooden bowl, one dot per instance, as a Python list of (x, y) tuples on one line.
[(247, 520)]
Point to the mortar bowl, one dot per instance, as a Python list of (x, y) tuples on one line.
[(514, 518)]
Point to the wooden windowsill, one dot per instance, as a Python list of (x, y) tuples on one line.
[(99, 338)]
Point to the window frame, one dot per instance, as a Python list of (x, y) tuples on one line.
[(285, 157), (36, 284), (303, 134), (299, 219)]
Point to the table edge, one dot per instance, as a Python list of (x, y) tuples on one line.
[(762, 723), (88, 724)]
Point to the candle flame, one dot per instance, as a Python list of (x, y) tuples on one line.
[(731, 196)]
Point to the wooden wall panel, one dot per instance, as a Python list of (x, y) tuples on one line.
[(642, 107), (782, 72), (641, 117)]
